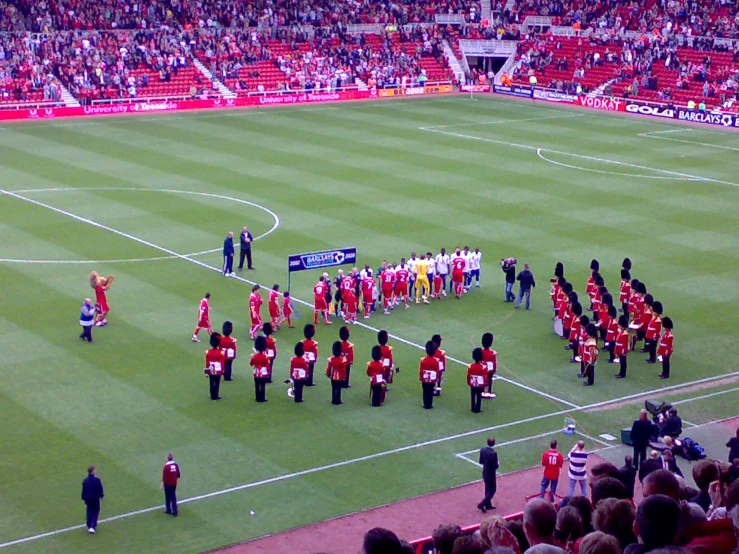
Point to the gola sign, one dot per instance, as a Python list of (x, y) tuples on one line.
[(655, 111), (606, 104)]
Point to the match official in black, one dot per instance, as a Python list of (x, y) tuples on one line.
[(228, 255), (92, 494), (489, 462), (245, 240)]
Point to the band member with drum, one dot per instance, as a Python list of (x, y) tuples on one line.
[(262, 372), (490, 362), (214, 365), (336, 371), (376, 373), (311, 352), (590, 354), (429, 374), (477, 378), (298, 372)]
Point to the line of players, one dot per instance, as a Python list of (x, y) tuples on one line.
[(381, 369), (641, 320)]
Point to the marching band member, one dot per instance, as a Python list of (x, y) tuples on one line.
[(347, 350), (228, 346), (428, 375), (611, 327), (590, 354), (376, 373), (568, 317), (621, 348), (477, 379), (311, 352), (664, 352), (214, 363), (387, 356), (591, 285), (440, 356), (654, 328), (624, 293), (636, 305), (336, 371), (575, 330), (298, 372), (644, 319), (262, 372), (490, 362), (606, 301), (271, 351), (581, 340)]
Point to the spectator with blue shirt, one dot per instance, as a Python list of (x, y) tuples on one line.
[(87, 319), (228, 255)]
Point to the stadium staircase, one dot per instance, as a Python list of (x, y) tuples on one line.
[(66, 96), (454, 64), (217, 85)]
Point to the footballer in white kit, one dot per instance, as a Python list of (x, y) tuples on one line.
[(475, 260), (442, 267)]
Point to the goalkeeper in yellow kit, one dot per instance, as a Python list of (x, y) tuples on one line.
[(421, 270)]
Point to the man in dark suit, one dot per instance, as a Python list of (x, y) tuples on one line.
[(667, 461), (245, 240), (673, 425), (228, 255), (489, 462), (92, 494), (641, 433), (627, 475), (648, 466)]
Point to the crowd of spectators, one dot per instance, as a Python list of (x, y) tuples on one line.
[(25, 74)]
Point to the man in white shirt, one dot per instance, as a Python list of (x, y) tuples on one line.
[(442, 267), (412, 267), (475, 260)]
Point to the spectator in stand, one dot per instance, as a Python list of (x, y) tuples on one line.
[(569, 527), (661, 482), (733, 446), (616, 518), (599, 543), (583, 505), (552, 462), (381, 541), (652, 464), (606, 487), (627, 475), (493, 532), (468, 544), (539, 522), (657, 524), (444, 537)]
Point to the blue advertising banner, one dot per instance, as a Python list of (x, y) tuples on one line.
[(318, 260)]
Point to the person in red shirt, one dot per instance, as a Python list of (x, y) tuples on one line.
[(101, 285), (368, 286), (591, 287), (387, 356), (646, 317), (428, 374), (664, 351), (552, 462), (654, 328), (568, 317), (438, 286), (440, 356), (260, 362), (624, 292), (298, 372), (271, 352), (387, 283), (319, 301), (203, 318), (274, 305), (602, 321), (347, 350), (477, 379), (636, 306), (376, 373), (490, 361), (351, 307), (255, 311), (458, 266), (311, 352), (336, 371), (228, 347), (621, 348), (287, 311), (170, 476), (214, 365)]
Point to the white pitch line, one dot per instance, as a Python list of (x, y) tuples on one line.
[(239, 278), (516, 441), (711, 395), (650, 133), (581, 156), (500, 121), (599, 441), (706, 144), (466, 459)]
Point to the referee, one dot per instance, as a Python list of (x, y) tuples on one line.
[(228, 255), (245, 240)]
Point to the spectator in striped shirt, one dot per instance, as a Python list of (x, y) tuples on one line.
[(576, 471)]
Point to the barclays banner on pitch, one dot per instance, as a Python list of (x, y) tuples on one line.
[(318, 260)]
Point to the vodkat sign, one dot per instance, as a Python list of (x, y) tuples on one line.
[(606, 104)]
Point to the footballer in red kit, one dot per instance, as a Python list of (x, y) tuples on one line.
[(320, 306), (387, 283), (287, 311), (368, 287), (203, 318), (274, 304), (402, 275), (351, 305), (458, 268), (255, 311)]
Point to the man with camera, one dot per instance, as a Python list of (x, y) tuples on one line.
[(508, 265)]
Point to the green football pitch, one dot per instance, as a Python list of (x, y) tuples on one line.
[(150, 200)]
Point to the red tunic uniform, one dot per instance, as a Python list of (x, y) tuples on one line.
[(590, 288), (387, 280), (575, 329), (228, 347), (274, 306), (102, 300), (347, 285), (376, 373), (490, 360), (477, 376), (347, 350), (612, 330), (665, 344), (319, 297), (298, 369), (622, 343), (260, 363), (590, 352), (214, 361), (401, 282), (310, 349), (428, 371), (440, 357), (624, 291), (368, 285), (271, 351), (336, 368), (654, 328)]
